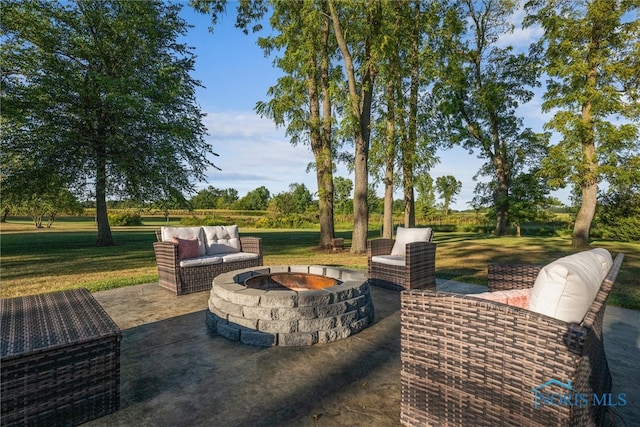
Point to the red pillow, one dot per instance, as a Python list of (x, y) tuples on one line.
[(187, 248)]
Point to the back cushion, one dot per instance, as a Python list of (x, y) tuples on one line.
[(186, 233), (566, 288), (222, 239), (409, 235)]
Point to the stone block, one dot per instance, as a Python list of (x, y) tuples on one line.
[(321, 324), (279, 299), (266, 313), (359, 325), (314, 298), (348, 318), (242, 321), (297, 339), (257, 338), (294, 313), (229, 331), (225, 306), (277, 326), (246, 296), (226, 290), (333, 334), (333, 309), (316, 269)]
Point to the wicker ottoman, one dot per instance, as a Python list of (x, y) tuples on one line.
[(60, 359)]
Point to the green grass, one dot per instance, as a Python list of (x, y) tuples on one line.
[(65, 256)]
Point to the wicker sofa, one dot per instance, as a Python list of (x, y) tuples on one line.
[(219, 249), (468, 360), (408, 262)]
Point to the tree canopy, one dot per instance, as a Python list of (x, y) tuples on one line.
[(99, 94)]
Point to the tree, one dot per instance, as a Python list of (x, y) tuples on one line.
[(343, 201), (358, 54), (104, 88), (448, 186), (426, 200), (49, 204), (257, 199), (295, 201), (214, 198), (591, 54), (301, 98), (479, 87)]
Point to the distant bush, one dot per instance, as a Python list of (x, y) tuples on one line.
[(125, 219), (207, 220), (288, 221), (626, 230)]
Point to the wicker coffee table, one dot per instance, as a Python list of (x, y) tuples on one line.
[(60, 359)]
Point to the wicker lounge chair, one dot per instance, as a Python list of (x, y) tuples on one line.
[(415, 268), (198, 276), (469, 361)]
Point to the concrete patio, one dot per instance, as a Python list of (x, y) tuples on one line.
[(175, 373)]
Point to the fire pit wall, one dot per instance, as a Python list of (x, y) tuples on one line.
[(289, 317)]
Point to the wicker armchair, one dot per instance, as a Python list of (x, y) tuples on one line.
[(416, 270), (184, 280), (469, 361)]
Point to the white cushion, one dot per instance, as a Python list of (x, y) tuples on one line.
[(187, 233), (606, 261), (204, 260), (566, 288), (409, 235), (389, 260), (222, 239), (238, 256)]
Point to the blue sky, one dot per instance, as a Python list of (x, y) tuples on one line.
[(253, 152)]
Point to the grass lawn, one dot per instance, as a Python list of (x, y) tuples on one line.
[(65, 256)]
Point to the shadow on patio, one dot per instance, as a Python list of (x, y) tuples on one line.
[(175, 373)]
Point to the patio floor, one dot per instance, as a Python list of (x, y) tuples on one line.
[(175, 373)]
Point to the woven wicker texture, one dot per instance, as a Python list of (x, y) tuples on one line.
[(185, 280), (472, 362), (419, 271), (60, 359)]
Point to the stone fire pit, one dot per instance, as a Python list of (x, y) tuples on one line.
[(291, 305)]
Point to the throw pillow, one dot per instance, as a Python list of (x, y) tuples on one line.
[(189, 233), (409, 235), (187, 248)]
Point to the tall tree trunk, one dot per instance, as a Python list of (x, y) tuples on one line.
[(409, 151), (390, 155), (104, 230), (588, 177), (320, 135), (501, 196), (360, 109)]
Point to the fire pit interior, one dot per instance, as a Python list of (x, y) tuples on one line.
[(289, 305), (292, 281)]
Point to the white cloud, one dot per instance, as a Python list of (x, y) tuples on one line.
[(253, 153)]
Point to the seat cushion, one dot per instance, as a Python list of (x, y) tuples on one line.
[(203, 260), (409, 235), (187, 248), (389, 260), (186, 233), (221, 239), (238, 256), (566, 288)]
